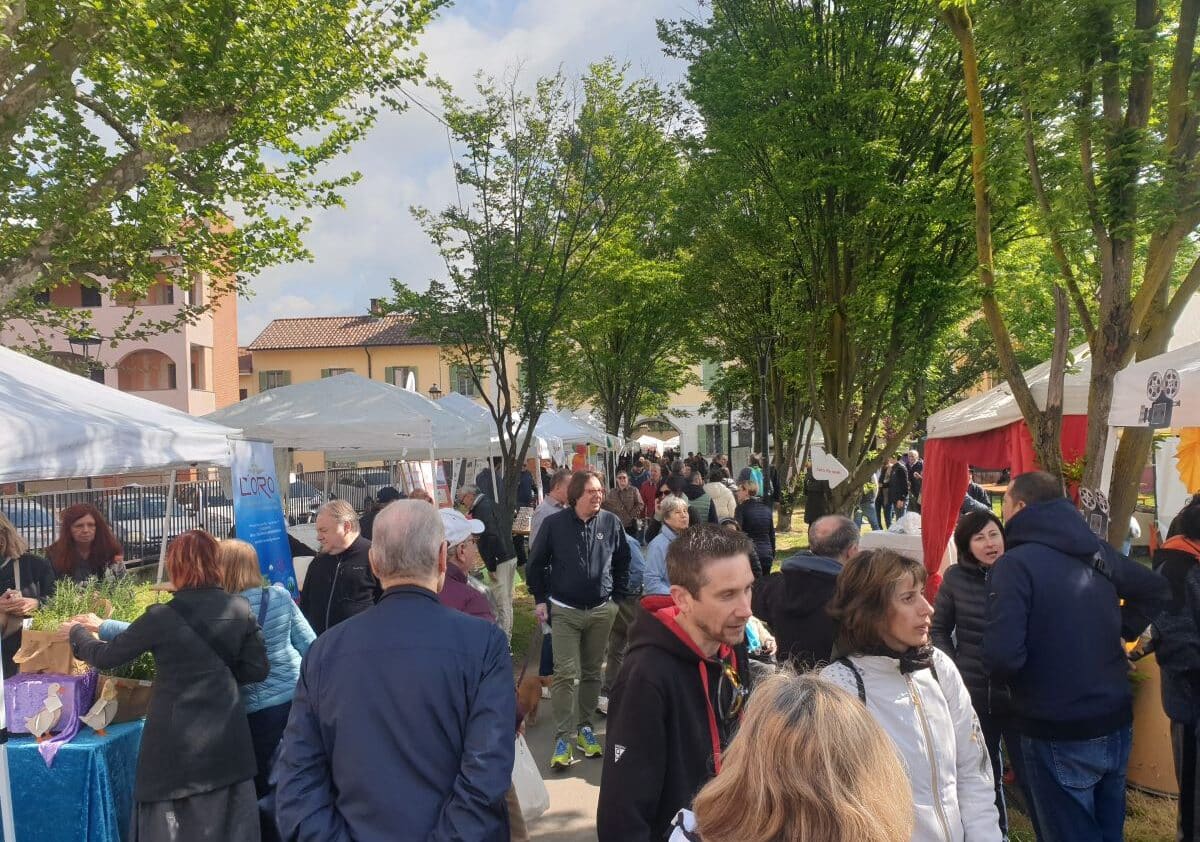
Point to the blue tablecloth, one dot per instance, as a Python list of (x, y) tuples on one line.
[(86, 796)]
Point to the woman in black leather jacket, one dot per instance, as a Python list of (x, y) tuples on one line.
[(195, 774)]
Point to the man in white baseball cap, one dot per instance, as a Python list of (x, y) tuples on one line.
[(461, 591)]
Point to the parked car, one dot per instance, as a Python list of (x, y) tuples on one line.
[(302, 502), (215, 509), (137, 520), (33, 521)]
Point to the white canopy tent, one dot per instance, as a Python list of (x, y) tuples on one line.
[(1161, 393), (351, 417), (55, 424), (545, 447), (997, 408)]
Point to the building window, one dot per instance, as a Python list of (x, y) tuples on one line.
[(146, 371), (708, 373), (196, 294), (89, 296), (243, 394), (200, 369), (461, 381), (334, 372), (711, 438), (273, 379), (42, 298), (398, 375)]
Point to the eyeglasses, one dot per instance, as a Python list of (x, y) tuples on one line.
[(731, 695)]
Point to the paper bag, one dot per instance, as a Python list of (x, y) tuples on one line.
[(133, 697), (47, 652)]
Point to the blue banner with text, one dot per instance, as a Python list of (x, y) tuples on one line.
[(258, 511)]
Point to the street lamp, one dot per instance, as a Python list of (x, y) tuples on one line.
[(82, 346), (435, 392)]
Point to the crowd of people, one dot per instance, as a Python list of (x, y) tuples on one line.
[(823, 698)]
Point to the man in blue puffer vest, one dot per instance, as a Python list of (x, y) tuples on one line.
[(1053, 633)]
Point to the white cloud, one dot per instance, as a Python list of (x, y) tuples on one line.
[(405, 160)]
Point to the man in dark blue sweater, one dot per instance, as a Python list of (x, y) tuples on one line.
[(579, 563), (1053, 634)]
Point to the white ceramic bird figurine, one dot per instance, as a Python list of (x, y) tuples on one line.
[(104, 711), (41, 722)]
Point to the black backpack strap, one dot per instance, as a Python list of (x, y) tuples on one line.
[(858, 679), (204, 632)]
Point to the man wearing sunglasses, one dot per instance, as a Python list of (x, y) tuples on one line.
[(681, 689)]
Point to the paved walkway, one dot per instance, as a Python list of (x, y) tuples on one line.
[(573, 793)]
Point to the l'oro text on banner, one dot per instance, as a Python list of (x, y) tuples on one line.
[(258, 511)]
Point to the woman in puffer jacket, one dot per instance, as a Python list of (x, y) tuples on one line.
[(915, 693), (958, 621)]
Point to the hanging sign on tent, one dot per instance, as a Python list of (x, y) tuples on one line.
[(258, 510), (828, 468)]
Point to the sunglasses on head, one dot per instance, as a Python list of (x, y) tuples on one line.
[(731, 695)]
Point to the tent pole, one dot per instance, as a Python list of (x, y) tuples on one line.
[(433, 465), (169, 513)]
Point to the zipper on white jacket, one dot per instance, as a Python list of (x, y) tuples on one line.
[(937, 790)]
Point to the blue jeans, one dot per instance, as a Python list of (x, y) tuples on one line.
[(1078, 786)]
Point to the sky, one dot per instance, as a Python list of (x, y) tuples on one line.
[(405, 160)]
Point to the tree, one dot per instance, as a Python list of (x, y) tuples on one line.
[(546, 181), (1108, 114), (133, 132), (834, 160), (629, 340)]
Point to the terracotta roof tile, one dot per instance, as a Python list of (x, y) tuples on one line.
[(337, 332)]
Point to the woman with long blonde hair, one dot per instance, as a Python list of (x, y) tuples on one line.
[(808, 764)]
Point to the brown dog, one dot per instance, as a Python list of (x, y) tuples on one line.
[(529, 695)]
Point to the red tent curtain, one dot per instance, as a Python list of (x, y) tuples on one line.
[(947, 462)]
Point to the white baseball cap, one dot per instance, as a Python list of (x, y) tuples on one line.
[(458, 526)]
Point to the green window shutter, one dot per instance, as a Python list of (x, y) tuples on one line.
[(701, 435), (708, 373), (325, 373), (262, 381), (287, 378), (389, 375)]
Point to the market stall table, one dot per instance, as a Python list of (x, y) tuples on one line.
[(86, 796)]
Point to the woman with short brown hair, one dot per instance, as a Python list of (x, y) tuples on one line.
[(915, 693), (196, 767), (808, 764)]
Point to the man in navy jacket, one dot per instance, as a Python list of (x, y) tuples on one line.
[(1053, 634), (402, 724)]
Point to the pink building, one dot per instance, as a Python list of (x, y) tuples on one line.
[(194, 368)]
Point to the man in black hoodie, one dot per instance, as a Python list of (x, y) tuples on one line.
[(792, 602), (681, 689)]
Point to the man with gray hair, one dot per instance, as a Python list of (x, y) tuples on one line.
[(402, 723), (339, 582), (792, 601)]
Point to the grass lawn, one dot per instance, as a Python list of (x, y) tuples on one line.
[(1148, 818)]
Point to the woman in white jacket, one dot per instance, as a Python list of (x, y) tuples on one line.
[(916, 694)]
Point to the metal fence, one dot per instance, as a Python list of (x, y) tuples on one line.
[(137, 513)]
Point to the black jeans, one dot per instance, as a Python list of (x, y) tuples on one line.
[(266, 730), (1187, 758)]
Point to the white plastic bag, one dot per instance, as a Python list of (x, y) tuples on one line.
[(527, 780)]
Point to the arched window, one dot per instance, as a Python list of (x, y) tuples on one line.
[(146, 371)]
